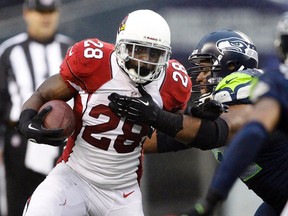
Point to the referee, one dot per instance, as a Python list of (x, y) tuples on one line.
[(26, 60)]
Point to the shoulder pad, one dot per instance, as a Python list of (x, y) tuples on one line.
[(176, 78), (234, 88), (252, 72), (87, 64)]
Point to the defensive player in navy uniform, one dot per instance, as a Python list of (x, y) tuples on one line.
[(233, 90), (263, 139), (101, 166), (269, 113)]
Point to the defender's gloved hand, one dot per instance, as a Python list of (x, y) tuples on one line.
[(201, 209), (207, 206), (30, 125), (140, 109), (210, 110), (145, 110)]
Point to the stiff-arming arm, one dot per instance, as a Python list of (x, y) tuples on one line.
[(201, 133), (144, 109)]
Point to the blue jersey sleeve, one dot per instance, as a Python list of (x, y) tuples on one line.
[(243, 150)]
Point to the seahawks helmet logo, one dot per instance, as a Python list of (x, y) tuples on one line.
[(234, 44)]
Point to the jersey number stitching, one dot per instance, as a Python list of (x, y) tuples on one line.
[(123, 143), (90, 52), (177, 75)]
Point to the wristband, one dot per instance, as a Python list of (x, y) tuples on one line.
[(168, 123), (218, 134)]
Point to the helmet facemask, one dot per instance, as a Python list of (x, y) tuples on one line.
[(142, 62), (206, 63)]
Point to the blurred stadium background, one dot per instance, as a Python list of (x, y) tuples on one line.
[(172, 181)]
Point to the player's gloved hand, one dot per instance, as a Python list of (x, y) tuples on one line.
[(144, 110), (207, 206), (211, 109), (30, 125), (136, 109), (200, 209)]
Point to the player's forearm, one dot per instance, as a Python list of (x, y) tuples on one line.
[(203, 134), (44, 93), (34, 102), (190, 129), (194, 134), (54, 88)]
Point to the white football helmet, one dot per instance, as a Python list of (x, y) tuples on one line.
[(143, 45)]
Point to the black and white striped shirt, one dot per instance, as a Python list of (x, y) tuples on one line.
[(25, 64)]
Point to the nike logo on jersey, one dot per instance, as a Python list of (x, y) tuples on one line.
[(143, 102), (70, 52), (228, 81), (125, 195), (32, 128)]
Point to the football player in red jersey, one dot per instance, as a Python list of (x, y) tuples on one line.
[(100, 168)]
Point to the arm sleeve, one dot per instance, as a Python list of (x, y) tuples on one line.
[(211, 134), (166, 143), (243, 150)]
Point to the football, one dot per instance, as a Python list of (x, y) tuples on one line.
[(61, 116)]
